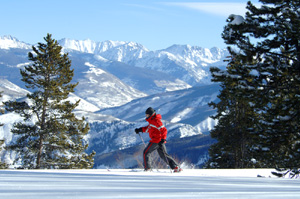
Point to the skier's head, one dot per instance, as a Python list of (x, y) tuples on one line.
[(150, 111)]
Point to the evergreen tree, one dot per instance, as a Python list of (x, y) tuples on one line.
[(268, 45), (50, 135), (235, 116)]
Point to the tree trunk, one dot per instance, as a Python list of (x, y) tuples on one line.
[(43, 121), (38, 161)]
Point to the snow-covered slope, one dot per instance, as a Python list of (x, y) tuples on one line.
[(188, 63), (143, 79), (103, 89), (197, 54), (100, 88), (109, 134), (127, 184), (11, 91), (189, 106)]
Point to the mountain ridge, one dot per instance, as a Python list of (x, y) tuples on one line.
[(8, 41)]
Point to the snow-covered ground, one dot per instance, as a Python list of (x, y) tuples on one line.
[(102, 183)]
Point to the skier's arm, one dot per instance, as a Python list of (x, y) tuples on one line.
[(144, 129)]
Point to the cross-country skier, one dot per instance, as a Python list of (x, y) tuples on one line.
[(158, 134)]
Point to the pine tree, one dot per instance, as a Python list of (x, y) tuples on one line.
[(268, 43), (235, 116), (50, 135)]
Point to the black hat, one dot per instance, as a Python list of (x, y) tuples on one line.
[(150, 111)]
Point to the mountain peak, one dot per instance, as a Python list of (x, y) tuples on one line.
[(196, 53), (8, 37), (90, 46), (8, 41)]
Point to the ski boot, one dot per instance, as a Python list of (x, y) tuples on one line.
[(177, 170)]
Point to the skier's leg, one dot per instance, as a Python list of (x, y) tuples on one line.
[(162, 151), (147, 154)]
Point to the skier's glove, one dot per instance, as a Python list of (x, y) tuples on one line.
[(137, 131), (162, 141)]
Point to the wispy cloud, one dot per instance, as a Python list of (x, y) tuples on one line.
[(216, 8), (142, 6)]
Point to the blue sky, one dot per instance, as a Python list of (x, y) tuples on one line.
[(156, 24)]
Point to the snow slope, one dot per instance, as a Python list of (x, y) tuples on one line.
[(81, 184), (189, 106), (11, 91), (103, 89)]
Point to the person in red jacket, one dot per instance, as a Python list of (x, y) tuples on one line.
[(158, 135)]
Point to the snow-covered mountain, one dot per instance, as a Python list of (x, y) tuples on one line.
[(187, 63), (112, 50), (145, 80), (104, 89), (89, 46), (7, 42), (11, 91), (174, 68), (95, 85)]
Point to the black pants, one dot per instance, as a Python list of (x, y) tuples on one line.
[(162, 151)]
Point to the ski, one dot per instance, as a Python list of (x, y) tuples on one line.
[(151, 171), (260, 176), (142, 170), (279, 175)]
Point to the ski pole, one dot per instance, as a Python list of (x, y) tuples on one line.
[(142, 139)]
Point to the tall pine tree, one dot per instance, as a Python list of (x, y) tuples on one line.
[(50, 135), (267, 42), (235, 117)]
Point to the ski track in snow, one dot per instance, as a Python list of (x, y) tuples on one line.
[(101, 183)]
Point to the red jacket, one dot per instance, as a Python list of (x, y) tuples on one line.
[(156, 129)]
